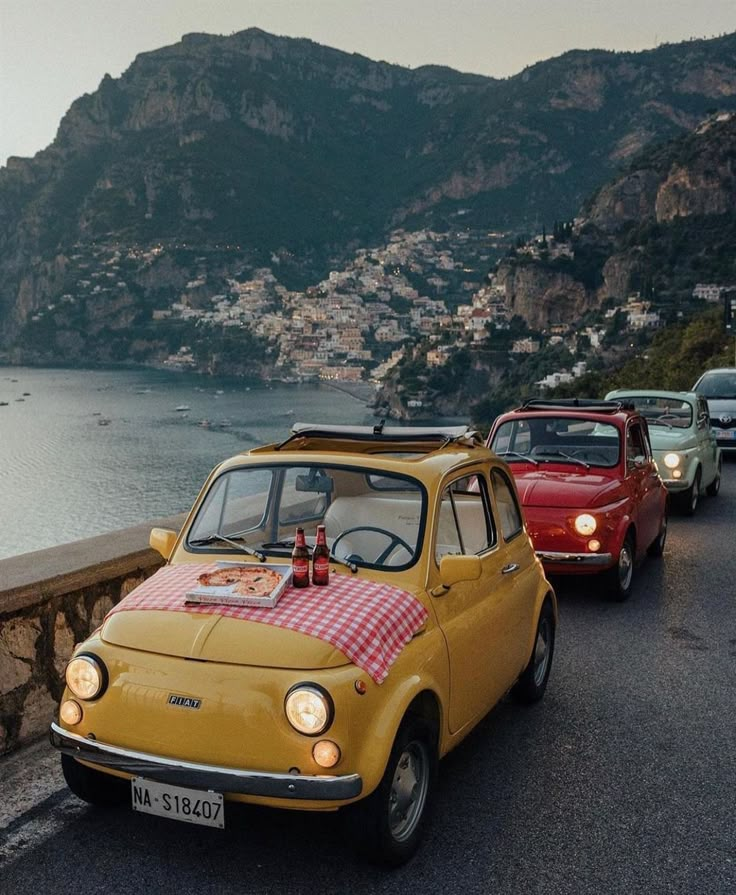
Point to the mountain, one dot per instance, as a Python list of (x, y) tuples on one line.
[(639, 246), (664, 224), (235, 150)]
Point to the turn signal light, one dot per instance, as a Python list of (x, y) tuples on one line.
[(594, 546), (326, 753), (70, 712)]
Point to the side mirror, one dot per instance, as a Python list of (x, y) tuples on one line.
[(162, 540), (454, 569)]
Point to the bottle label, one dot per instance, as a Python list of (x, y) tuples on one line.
[(300, 567), (321, 567)]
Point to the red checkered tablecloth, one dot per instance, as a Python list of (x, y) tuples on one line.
[(368, 621)]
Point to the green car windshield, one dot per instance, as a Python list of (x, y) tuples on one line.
[(663, 411)]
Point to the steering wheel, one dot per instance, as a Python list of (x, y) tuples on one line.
[(394, 541)]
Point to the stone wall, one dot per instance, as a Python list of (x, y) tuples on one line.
[(49, 601)]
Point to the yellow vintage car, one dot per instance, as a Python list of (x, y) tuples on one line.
[(180, 707)]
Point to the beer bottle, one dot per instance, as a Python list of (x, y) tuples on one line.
[(321, 559), (300, 561)]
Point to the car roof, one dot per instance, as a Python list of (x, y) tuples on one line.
[(582, 408), (429, 451)]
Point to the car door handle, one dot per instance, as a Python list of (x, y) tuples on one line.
[(511, 567)]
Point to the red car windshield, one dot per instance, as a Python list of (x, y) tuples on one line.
[(557, 439)]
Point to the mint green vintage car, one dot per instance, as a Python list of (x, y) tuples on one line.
[(683, 443)]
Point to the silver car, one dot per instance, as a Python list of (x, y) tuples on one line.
[(718, 387)]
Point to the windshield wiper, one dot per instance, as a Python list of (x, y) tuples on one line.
[(525, 457), (211, 539), (275, 545), (567, 457)]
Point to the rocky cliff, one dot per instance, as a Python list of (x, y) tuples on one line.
[(664, 224)]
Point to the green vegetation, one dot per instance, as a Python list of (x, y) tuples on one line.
[(674, 360)]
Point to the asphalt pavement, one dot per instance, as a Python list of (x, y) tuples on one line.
[(623, 780)]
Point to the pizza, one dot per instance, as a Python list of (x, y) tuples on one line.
[(249, 581)]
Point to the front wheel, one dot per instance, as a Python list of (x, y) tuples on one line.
[(533, 681), (621, 576), (715, 486), (387, 826), (691, 497), (93, 786)]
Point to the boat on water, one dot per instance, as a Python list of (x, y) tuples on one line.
[(3, 403), (103, 421), (205, 424), (225, 424), (182, 408)]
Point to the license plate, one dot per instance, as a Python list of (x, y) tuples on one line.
[(193, 806), (726, 434)]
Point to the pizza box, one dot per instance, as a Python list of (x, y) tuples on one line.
[(228, 596)]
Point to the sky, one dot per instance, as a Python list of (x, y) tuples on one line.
[(53, 51)]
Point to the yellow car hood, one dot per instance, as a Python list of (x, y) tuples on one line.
[(214, 638)]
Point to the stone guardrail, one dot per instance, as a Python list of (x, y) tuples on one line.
[(50, 600)]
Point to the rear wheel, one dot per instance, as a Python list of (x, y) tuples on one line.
[(621, 576), (715, 486), (691, 497), (93, 786), (533, 681), (387, 826)]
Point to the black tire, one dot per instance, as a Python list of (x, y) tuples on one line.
[(689, 500), (386, 827), (715, 486), (533, 680), (93, 786), (656, 548), (620, 579)]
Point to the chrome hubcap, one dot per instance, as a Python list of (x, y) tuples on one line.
[(408, 790), (541, 651), (625, 567)]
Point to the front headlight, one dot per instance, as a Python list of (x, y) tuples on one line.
[(671, 460), (585, 524), (86, 676), (308, 709)]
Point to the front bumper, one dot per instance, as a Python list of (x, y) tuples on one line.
[(584, 560), (207, 777)]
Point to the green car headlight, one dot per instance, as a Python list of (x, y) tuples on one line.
[(671, 461)]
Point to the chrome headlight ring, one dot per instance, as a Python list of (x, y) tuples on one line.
[(309, 709), (86, 676)]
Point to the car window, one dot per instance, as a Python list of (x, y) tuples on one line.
[(670, 413), (259, 508), (717, 385), (557, 439), (635, 442), (297, 506), (509, 514), (464, 525)]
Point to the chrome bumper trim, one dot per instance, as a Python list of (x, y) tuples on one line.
[(576, 559), (202, 776)]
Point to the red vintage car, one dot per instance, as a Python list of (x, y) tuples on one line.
[(592, 497)]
